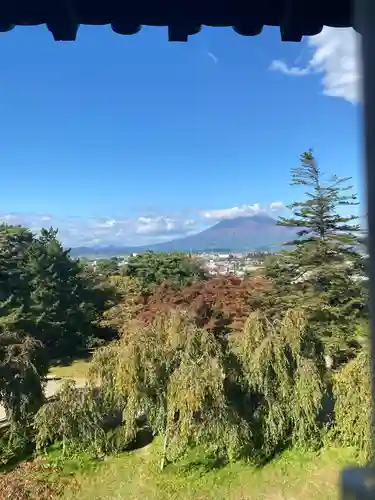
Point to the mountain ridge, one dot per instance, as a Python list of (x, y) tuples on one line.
[(256, 232)]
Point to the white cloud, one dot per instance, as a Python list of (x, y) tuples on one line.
[(230, 213), (108, 223), (76, 231), (10, 218), (335, 55), (288, 70), (213, 57), (151, 228), (157, 225), (276, 206), (163, 228), (242, 211)]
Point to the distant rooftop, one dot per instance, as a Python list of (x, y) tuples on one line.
[(183, 18)]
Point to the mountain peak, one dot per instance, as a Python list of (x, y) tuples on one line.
[(239, 234), (238, 222)]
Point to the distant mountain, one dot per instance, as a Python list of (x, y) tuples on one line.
[(257, 232)]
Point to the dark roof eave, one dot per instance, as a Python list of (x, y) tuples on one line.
[(296, 18)]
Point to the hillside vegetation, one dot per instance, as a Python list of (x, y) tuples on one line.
[(207, 387)]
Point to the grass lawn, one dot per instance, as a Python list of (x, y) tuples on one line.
[(77, 369), (135, 476)]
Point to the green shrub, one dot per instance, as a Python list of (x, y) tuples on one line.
[(353, 403), (283, 367), (77, 419)]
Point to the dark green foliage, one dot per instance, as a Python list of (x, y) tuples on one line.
[(44, 292), (188, 360), (108, 267), (76, 418), (152, 269), (317, 216), (125, 306), (283, 367), (352, 391), (64, 304), (175, 374), (47, 309), (22, 363), (323, 272), (22, 359), (101, 294), (259, 393), (57, 297), (15, 286)]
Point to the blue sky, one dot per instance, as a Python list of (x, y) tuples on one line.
[(118, 139)]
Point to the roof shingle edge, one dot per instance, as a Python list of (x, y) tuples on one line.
[(296, 18)]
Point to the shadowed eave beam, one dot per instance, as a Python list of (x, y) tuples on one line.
[(182, 18)]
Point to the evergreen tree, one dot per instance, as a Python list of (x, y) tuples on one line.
[(152, 269), (22, 359), (15, 287), (317, 216), (64, 315), (324, 270), (108, 267)]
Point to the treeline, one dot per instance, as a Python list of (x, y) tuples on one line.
[(46, 294), (49, 310), (241, 367)]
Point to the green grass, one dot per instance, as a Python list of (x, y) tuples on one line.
[(136, 476), (76, 369)]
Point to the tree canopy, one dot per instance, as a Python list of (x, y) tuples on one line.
[(152, 269), (221, 303), (317, 215), (47, 310), (234, 366), (324, 269)]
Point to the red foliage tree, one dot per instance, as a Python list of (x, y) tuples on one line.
[(221, 303)]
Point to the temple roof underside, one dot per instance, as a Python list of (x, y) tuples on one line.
[(296, 18)]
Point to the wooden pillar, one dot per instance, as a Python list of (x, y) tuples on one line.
[(359, 483)]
